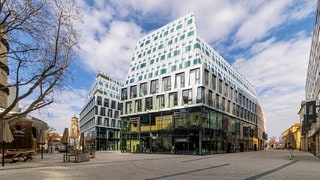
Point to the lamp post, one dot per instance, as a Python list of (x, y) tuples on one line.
[(42, 141)]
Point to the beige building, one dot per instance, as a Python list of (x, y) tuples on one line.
[(291, 137), (4, 71)]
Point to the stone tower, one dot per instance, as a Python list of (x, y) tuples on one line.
[(74, 128)]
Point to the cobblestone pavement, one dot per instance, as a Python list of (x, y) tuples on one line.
[(269, 164)]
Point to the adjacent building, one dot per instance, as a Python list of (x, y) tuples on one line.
[(100, 116), (181, 96), (291, 137), (25, 130), (4, 70), (311, 122)]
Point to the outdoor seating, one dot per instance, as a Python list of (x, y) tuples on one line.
[(28, 156), (77, 156), (14, 157), (10, 156)]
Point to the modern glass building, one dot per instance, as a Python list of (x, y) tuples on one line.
[(100, 116), (181, 96), (310, 120)]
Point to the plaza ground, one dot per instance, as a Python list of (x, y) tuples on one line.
[(269, 164)]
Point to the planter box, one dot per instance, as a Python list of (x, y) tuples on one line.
[(82, 157)]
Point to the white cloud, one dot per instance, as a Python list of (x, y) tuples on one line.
[(278, 71), (110, 51), (270, 15)]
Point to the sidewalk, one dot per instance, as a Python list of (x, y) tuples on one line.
[(270, 164)]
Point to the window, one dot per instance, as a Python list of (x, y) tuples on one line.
[(187, 64), (206, 78), (149, 103), (109, 112), (196, 45), (220, 86), (96, 110), (99, 100), (143, 65), (116, 114), (173, 99), (169, 55), (180, 80), (143, 89), (210, 97), (228, 106), (187, 96), (160, 102), (166, 83), (106, 121), (194, 76), (176, 52), (113, 104), (217, 100), (196, 61), (189, 21), (128, 108), (213, 82), (162, 57), (163, 71), (102, 111), (200, 95), (226, 90), (154, 87), (99, 121), (106, 102), (138, 105), (187, 48), (182, 37), (151, 61), (179, 26), (113, 123), (170, 42), (173, 68), (133, 91), (160, 46), (190, 33), (223, 104)]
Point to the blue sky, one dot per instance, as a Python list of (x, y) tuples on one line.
[(268, 41)]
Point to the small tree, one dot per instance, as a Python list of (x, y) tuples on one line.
[(272, 141), (41, 38)]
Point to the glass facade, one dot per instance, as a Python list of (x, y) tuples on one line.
[(201, 106), (186, 131), (100, 117)]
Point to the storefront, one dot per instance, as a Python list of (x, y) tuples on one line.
[(187, 131)]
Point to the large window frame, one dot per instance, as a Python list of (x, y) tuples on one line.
[(187, 96), (154, 88), (166, 83), (180, 80)]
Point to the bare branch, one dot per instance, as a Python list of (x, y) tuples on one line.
[(42, 39)]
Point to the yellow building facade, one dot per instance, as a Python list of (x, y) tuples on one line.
[(292, 137)]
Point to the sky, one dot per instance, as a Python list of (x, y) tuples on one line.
[(267, 41)]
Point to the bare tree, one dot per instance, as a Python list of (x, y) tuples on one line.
[(273, 141), (41, 37)]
